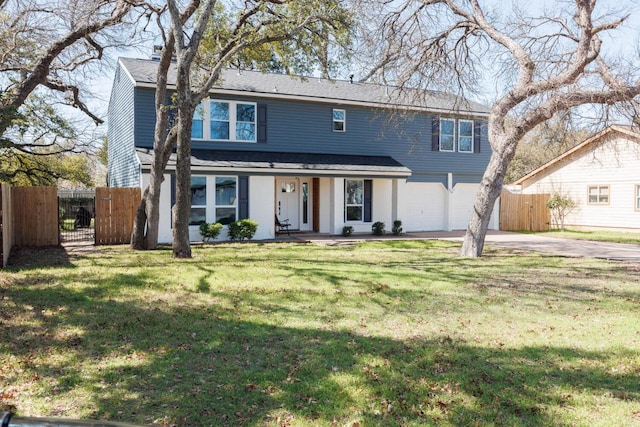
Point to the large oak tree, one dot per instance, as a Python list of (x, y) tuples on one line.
[(49, 48), (540, 61)]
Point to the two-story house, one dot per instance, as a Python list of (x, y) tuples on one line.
[(322, 154)]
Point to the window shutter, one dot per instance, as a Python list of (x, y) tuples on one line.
[(477, 128), (173, 189), (173, 198), (435, 134), (368, 184), (262, 123), (243, 197)]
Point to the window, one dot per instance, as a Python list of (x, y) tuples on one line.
[(638, 197), (598, 194), (225, 121), (218, 120), (198, 200), (465, 136), (447, 134), (339, 120), (226, 199), (354, 199), (198, 121)]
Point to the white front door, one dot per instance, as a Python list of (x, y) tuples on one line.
[(288, 201)]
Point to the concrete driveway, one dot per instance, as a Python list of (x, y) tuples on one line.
[(553, 245)]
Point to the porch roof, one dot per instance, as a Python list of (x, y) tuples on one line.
[(274, 163)]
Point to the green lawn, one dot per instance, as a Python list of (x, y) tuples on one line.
[(596, 236), (394, 333)]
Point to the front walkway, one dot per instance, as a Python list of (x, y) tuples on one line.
[(530, 242)]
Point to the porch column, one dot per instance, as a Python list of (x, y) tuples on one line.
[(448, 203)]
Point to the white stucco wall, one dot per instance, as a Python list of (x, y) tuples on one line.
[(614, 162)]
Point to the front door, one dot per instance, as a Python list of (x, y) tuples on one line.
[(288, 201)]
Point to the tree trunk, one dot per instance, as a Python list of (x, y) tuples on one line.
[(139, 223), (488, 193), (182, 208)]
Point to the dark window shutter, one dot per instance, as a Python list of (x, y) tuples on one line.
[(243, 197), (173, 197), (368, 187), (262, 123), (173, 189), (435, 134), (477, 128)]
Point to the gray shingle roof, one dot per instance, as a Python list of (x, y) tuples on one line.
[(143, 72), (317, 164)]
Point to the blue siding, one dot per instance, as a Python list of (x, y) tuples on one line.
[(145, 117), (124, 170), (298, 126)]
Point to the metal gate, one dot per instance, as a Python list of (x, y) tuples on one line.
[(76, 213)]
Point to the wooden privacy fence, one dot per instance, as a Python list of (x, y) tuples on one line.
[(115, 212), (524, 212), (35, 216), (6, 224)]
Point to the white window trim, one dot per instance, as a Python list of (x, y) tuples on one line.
[(453, 149), (343, 121), (599, 187), (472, 136), (233, 105), (347, 205), (637, 198)]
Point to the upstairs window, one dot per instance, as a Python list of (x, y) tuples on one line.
[(598, 194), (465, 136), (447, 134), (339, 120), (198, 122), (225, 121), (451, 135)]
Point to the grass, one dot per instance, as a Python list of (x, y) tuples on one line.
[(596, 236), (397, 333)]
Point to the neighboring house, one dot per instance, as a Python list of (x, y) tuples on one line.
[(601, 174), (322, 154)]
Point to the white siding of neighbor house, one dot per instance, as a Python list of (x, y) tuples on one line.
[(613, 161)]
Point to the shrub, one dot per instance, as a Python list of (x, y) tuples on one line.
[(210, 231), (560, 207), (397, 227), (243, 229), (347, 230), (378, 228)]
